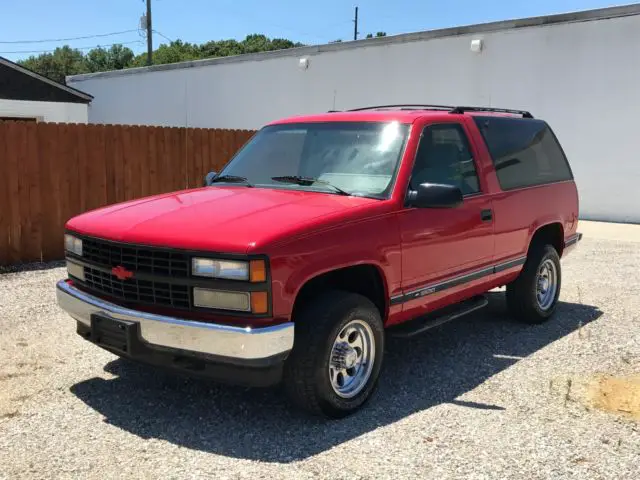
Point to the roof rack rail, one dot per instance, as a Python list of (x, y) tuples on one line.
[(451, 109), (407, 106), (524, 113)]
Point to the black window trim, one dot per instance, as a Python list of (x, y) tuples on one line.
[(460, 125)]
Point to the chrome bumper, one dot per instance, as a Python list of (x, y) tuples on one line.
[(213, 339)]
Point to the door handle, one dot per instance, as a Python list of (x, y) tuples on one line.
[(486, 215)]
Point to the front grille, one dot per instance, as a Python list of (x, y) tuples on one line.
[(137, 291), (136, 259)]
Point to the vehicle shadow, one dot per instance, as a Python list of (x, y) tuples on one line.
[(259, 424)]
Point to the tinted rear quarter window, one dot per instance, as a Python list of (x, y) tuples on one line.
[(525, 152)]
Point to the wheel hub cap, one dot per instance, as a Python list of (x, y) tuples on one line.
[(546, 284), (352, 358), (344, 356)]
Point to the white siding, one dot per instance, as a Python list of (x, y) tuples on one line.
[(581, 77), (45, 111)]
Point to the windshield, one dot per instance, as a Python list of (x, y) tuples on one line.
[(359, 158)]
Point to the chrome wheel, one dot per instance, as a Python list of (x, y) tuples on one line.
[(352, 359), (546, 284)]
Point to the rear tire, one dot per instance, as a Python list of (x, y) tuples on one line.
[(533, 296), (334, 366)]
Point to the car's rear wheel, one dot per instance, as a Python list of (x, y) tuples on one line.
[(335, 363), (533, 296)]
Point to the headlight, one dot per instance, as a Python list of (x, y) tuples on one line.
[(223, 300), (73, 244), (229, 269), (255, 270)]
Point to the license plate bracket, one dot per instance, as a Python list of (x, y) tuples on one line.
[(114, 334)]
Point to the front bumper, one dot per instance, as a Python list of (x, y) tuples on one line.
[(156, 336)]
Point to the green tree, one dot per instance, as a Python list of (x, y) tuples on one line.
[(57, 65), (256, 43), (283, 44), (222, 48), (67, 61), (378, 34), (115, 58), (176, 51)]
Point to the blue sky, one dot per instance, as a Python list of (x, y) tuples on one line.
[(310, 22)]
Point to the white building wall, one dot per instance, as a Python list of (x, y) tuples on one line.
[(582, 77), (45, 111)]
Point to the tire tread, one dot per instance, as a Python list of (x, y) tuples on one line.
[(520, 295), (313, 328)]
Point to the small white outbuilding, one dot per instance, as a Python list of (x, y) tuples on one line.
[(29, 96)]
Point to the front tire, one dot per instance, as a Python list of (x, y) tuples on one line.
[(533, 296), (335, 363)]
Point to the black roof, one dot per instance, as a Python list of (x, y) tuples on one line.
[(19, 83)]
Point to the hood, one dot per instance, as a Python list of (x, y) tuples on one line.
[(231, 219)]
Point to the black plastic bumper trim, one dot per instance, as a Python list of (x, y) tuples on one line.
[(254, 373)]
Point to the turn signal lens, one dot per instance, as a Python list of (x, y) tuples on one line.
[(259, 302), (258, 270)]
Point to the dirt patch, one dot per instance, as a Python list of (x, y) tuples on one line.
[(9, 376), (620, 395)]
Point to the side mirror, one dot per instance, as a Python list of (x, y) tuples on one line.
[(435, 195), (209, 178)]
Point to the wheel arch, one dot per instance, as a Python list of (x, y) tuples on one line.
[(551, 233), (367, 279)]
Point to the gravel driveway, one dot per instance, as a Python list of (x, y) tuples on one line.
[(483, 397)]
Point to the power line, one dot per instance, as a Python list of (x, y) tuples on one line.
[(75, 48), (162, 35), (71, 38), (266, 23)]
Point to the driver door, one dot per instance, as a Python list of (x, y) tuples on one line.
[(444, 248)]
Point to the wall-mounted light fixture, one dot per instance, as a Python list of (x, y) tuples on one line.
[(476, 45), (303, 63)]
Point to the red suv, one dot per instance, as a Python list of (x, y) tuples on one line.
[(321, 236)]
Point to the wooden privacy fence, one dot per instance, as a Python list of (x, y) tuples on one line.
[(50, 172)]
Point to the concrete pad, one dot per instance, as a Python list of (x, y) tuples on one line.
[(610, 231)]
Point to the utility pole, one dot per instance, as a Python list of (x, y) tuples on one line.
[(355, 26), (149, 38)]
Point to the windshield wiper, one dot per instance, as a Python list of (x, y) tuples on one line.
[(308, 181), (232, 179)]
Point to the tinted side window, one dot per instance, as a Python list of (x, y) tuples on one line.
[(444, 156), (524, 152)]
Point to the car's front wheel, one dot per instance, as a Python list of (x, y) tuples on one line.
[(337, 355)]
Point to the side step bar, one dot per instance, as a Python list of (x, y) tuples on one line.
[(434, 319)]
